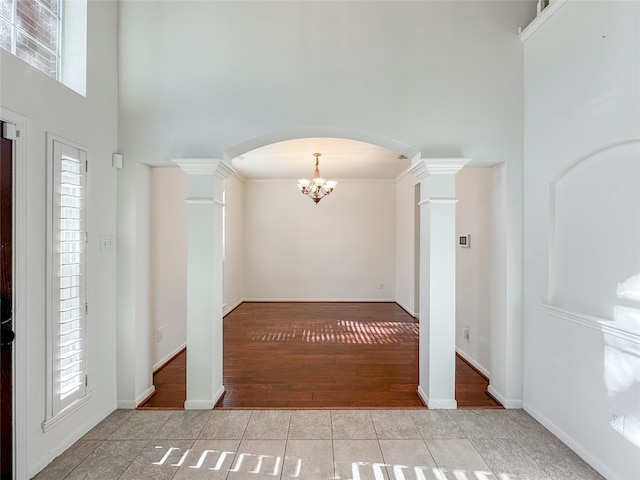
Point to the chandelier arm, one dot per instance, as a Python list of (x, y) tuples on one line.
[(316, 189)]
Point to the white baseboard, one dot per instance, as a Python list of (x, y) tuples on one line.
[(144, 395), (320, 300), (227, 309), (569, 441), (406, 309), (506, 403), (168, 357), (471, 361), (423, 396), (69, 440), (126, 404), (199, 405), (204, 404), (434, 404)]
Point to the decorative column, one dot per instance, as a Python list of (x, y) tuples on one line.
[(204, 279), (437, 279)]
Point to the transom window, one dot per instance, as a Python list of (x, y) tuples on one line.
[(32, 30)]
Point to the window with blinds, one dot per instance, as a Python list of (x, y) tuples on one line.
[(67, 278)]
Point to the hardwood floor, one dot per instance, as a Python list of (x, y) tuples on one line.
[(319, 355)]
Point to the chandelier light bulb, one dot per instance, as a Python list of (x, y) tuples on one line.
[(318, 188)]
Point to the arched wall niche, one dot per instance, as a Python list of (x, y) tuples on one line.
[(593, 205)]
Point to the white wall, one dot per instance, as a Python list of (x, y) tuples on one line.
[(406, 206), (168, 262), (473, 266), (143, 327), (91, 122), (463, 97), (582, 353), (234, 243), (340, 249), (168, 239), (451, 70)]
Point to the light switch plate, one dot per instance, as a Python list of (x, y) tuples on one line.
[(107, 243)]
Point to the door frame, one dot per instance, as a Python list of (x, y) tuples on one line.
[(20, 467)]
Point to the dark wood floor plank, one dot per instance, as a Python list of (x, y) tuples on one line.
[(319, 355)]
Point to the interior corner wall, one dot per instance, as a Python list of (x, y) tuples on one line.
[(498, 294), (406, 207), (340, 249), (144, 321), (134, 355), (473, 266), (168, 263), (582, 108), (92, 122), (233, 243)]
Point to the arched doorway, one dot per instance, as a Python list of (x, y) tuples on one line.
[(437, 303)]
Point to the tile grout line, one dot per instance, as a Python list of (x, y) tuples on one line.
[(333, 451), (286, 444)]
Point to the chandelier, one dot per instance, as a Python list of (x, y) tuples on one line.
[(318, 188)]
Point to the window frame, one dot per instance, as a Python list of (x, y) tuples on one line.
[(58, 408), (15, 29), (71, 54)]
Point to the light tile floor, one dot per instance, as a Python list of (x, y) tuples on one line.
[(321, 444)]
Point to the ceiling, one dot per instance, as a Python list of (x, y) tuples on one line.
[(340, 159)]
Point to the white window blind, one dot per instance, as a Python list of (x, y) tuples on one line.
[(67, 277)]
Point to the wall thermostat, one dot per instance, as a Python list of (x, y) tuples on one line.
[(464, 241)]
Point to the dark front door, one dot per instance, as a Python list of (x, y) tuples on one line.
[(6, 297)]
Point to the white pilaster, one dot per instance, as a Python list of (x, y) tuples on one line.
[(437, 279), (204, 279)]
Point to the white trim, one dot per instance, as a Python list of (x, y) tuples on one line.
[(205, 166), (438, 201), (341, 181), (199, 404), (56, 146), (442, 405), (475, 364), (126, 404), (320, 132), (66, 442), (144, 395), (603, 325), (226, 310), (423, 167), (506, 403), (436, 404), (406, 309), (168, 357), (200, 201), (20, 291), (574, 445), (49, 423), (554, 185), (205, 404), (423, 395), (537, 23), (320, 300)]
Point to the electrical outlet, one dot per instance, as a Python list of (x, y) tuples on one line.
[(159, 334), (616, 420), (466, 330), (381, 285)]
